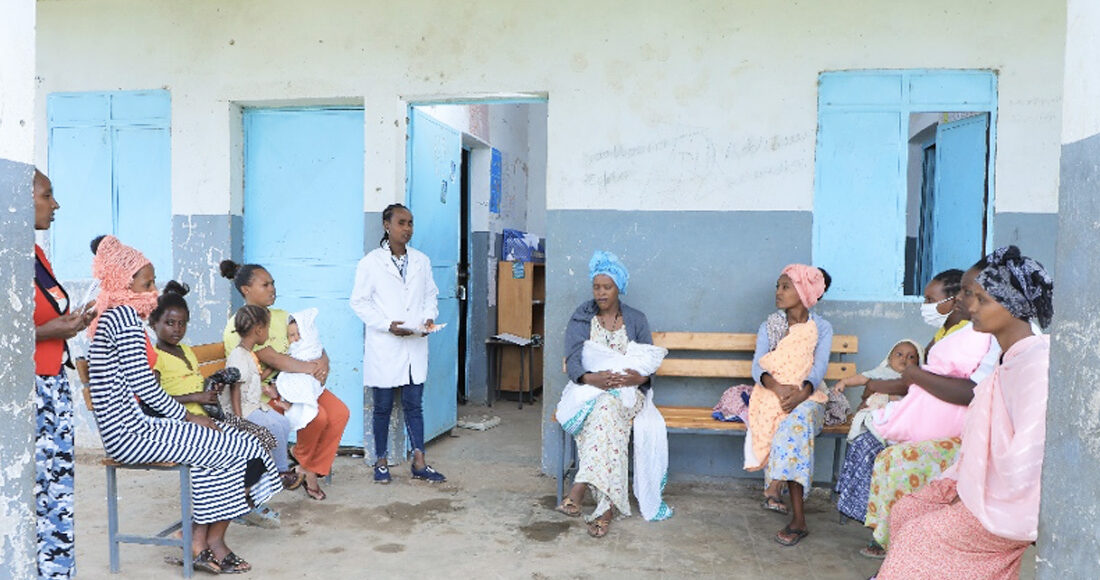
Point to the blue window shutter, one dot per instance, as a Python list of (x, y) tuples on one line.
[(110, 163), (859, 216)]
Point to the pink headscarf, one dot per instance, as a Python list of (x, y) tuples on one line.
[(808, 281), (115, 265)]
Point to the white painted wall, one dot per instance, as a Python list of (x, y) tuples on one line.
[(695, 105), (1081, 106), (17, 91)]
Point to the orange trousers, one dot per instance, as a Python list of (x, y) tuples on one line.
[(318, 441)]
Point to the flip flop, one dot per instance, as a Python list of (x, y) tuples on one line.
[(568, 507), (204, 561), (597, 528), (776, 505), (234, 564), (796, 536), (873, 551)]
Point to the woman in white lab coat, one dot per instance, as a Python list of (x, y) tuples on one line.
[(395, 296)]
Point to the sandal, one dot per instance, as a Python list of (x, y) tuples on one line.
[(234, 564), (597, 528), (292, 479), (204, 561), (795, 536), (775, 504), (873, 551), (261, 517), (314, 492), (568, 507)]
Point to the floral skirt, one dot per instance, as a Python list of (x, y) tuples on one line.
[(603, 453), (901, 470), (936, 536), (792, 451)]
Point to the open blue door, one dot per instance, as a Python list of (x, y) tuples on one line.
[(959, 207), (435, 198), (303, 221)]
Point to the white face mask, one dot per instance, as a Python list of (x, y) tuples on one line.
[(931, 316)]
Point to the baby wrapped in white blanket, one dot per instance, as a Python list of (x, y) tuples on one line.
[(650, 435), (301, 389)]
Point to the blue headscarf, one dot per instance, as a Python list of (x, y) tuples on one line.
[(608, 264)]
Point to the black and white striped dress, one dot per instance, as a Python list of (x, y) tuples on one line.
[(119, 369)]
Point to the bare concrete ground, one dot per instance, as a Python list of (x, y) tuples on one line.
[(493, 518)]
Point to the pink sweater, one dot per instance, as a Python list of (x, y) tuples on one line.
[(999, 466)]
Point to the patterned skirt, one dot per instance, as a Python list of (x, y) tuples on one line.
[(602, 453), (792, 451), (938, 537), (901, 470), (854, 484)]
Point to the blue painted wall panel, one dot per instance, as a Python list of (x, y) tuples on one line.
[(856, 88), (952, 87), (78, 107), (80, 169)]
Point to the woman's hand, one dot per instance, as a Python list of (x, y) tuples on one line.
[(270, 390), (628, 378), (64, 327), (322, 369), (601, 380), (792, 396), (201, 420), (396, 331), (202, 398)]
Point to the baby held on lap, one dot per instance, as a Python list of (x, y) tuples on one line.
[(298, 392)]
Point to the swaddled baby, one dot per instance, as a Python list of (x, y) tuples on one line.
[(301, 390)]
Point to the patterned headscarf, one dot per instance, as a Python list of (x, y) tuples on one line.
[(808, 281), (1019, 284), (609, 265), (115, 265)]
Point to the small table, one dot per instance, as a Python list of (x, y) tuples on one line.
[(526, 367)]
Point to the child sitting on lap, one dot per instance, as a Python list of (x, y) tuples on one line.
[(299, 391), (904, 354)]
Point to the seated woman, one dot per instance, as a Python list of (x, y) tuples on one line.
[(602, 423), (786, 416), (318, 441), (916, 438), (979, 517), (230, 471)]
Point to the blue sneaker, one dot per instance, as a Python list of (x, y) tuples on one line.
[(427, 474), (381, 474)]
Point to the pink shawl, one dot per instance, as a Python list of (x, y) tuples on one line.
[(999, 466), (919, 415)]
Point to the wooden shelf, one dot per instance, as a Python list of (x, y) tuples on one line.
[(520, 311)]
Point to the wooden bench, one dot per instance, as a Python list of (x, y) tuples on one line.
[(726, 356)]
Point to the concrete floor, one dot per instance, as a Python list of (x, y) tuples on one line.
[(492, 519)]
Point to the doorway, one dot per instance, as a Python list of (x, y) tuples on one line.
[(474, 169)]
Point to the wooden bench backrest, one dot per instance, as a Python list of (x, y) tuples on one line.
[(731, 343), (211, 358)]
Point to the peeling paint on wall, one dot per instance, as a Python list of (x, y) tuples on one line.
[(17, 522)]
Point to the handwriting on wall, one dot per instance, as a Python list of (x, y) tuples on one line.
[(697, 164)]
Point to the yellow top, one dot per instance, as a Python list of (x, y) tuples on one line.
[(276, 338), (176, 378), (943, 332)]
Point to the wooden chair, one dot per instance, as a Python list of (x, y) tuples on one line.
[(162, 538)]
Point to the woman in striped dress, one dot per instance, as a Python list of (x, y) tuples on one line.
[(229, 469)]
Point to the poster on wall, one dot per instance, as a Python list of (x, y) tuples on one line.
[(495, 183)]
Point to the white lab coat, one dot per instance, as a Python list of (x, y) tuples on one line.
[(380, 297)]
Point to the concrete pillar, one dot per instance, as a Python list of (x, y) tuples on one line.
[(17, 523), (1069, 517)]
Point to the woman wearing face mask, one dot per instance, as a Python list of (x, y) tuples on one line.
[(932, 409)]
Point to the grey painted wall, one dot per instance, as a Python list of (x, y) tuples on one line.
[(1034, 233), (1069, 538), (200, 243), (17, 415), (712, 271)]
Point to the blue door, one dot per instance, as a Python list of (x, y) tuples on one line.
[(959, 207), (303, 221), (434, 196)]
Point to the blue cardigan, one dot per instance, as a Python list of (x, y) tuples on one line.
[(580, 327)]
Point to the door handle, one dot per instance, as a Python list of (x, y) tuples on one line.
[(460, 292)]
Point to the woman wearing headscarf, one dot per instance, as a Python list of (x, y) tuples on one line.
[(230, 470), (55, 321), (602, 401), (979, 517), (787, 409)]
